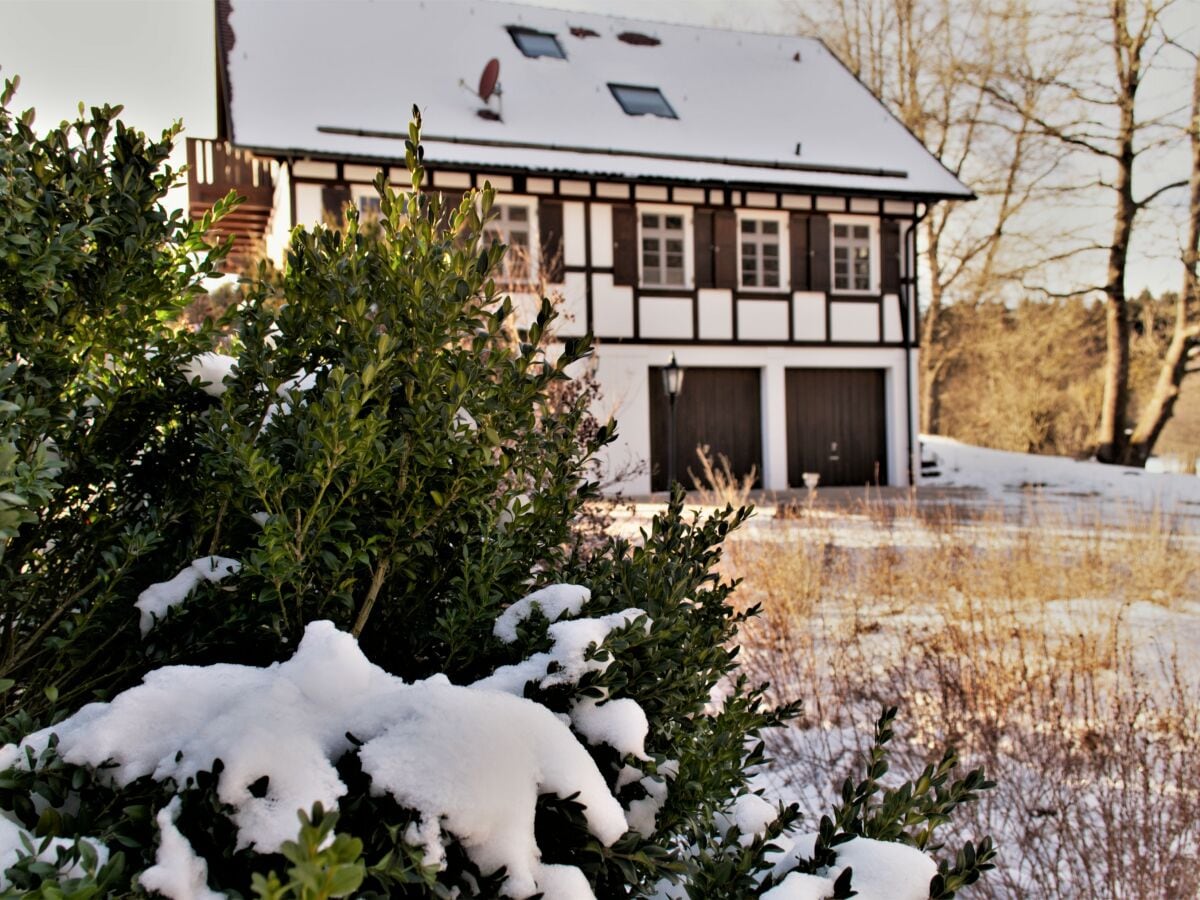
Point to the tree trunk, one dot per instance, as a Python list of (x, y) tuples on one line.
[(1186, 334), (1112, 440)]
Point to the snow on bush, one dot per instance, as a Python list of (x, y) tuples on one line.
[(554, 601), (882, 870), (566, 661), (16, 842), (470, 760), (158, 599), (178, 872)]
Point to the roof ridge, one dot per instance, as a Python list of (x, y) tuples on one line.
[(627, 18)]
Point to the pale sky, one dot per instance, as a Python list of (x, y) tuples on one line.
[(156, 57)]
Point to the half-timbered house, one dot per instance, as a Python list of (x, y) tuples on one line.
[(739, 201)]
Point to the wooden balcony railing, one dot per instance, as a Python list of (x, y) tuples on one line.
[(215, 168)]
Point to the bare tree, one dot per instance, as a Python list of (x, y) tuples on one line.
[(932, 62), (1096, 115)]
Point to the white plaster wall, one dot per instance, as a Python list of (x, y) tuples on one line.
[(716, 314), (892, 320), (623, 373), (808, 316), (573, 321), (574, 251), (853, 322), (312, 168), (309, 209), (602, 238), (665, 317), (774, 418), (914, 420), (279, 226), (612, 307), (526, 306), (762, 320)]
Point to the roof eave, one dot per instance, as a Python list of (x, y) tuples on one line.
[(288, 154)]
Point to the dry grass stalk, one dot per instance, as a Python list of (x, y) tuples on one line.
[(717, 484)]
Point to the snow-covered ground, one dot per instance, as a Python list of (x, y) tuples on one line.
[(1017, 477)]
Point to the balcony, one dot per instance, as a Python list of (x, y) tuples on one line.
[(214, 169)]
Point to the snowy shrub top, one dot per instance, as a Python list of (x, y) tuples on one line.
[(470, 760)]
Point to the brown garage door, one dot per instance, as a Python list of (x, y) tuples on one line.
[(719, 407), (836, 426)]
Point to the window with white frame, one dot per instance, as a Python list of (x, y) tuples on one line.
[(854, 244), (762, 251), (514, 222), (665, 239)]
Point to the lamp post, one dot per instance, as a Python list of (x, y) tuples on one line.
[(672, 376)]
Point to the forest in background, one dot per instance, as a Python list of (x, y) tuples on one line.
[(1029, 377), (1077, 125)]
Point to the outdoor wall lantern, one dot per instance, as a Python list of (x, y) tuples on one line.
[(672, 376)]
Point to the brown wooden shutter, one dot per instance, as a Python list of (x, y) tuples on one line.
[(334, 198), (704, 256), (798, 235), (550, 231), (625, 248), (889, 248), (725, 274), (818, 253)]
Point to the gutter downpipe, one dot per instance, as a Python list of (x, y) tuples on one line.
[(909, 323)]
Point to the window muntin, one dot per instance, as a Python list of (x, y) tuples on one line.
[(513, 222), (537, 43), (855, 256), (641, 101), (762, 244), (664, 249)]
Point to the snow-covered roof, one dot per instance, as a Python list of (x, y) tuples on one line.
[(338, 79)]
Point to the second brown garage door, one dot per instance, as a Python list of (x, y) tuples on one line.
[(717, 406), (836, 426)]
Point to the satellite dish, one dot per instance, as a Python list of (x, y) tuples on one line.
[(489, 78)]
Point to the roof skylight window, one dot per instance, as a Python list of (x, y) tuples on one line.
[(536, 43), (642, 101)]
